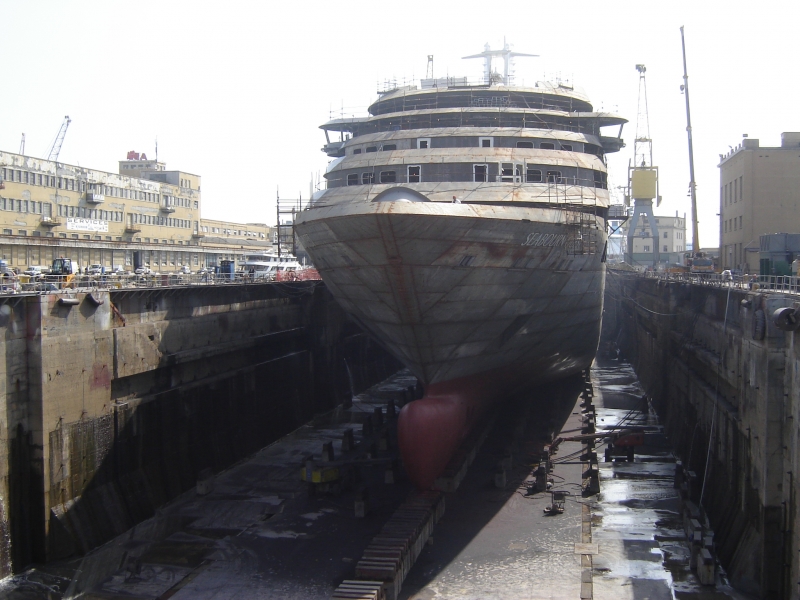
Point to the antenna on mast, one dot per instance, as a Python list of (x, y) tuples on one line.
[(429, 69), (490, 77)]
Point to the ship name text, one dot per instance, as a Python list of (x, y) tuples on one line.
[(545, 239)]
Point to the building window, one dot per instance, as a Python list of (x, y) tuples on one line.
[(647, 248), (533, 176), (423, 143), (740, 187), (414, 174), (524, 144), (554, 177), (352, 179), (6, 232), (368, 177), (480, 172), (486, 142), (740, 222), (388, 177), (665, 249), (665, 235), (547, 146)]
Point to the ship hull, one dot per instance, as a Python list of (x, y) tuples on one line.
[(475, 300)]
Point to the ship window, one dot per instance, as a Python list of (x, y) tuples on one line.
[(357, 151), (533, 176), (554, 177), (423, 143), (413, 174), (387, 147), (372, 148), (367, 177), (547, 146), (480, 172), (352, 179), (524, 144), (506, 172), (486, 142), (566, 147), (388, 177)]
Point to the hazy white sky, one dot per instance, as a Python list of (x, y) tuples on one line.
[(235, 91)]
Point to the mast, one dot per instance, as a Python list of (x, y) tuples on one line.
[(692, 183)]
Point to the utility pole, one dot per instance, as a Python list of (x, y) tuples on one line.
[(692, 182)]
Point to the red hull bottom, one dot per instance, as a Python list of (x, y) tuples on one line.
[(430, 430)]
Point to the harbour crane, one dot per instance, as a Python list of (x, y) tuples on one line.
[(55, 149), (643, 176), (692, 182)]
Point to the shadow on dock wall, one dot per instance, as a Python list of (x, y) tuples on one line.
[(157, 436)]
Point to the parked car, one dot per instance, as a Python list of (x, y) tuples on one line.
[(143, 271), (94, 270), (185, 270), (35, 271), (726, 275)]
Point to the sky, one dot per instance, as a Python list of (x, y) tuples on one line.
[(235, 92)]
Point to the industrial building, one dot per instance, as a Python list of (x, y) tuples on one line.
[(142, 215), (759, 194), (672, 241)]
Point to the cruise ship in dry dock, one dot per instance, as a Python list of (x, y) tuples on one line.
[(464, 225)]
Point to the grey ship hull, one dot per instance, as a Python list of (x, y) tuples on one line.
[(455, 290)]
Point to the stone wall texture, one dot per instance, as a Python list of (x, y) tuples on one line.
[(112, 406), (726, 382)]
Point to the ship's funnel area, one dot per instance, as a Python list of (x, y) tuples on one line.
[(400, 194)]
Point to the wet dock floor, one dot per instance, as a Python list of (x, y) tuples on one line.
[(636, 518), (258, 534)]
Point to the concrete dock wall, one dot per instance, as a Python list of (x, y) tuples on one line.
[(726, 382), (115, 404)]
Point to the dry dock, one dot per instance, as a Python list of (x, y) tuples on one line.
[(177, 485)]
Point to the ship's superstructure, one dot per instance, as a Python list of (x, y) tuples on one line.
[(464, 226)]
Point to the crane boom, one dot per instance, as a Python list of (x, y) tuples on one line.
[(692, 182), (55, 149)]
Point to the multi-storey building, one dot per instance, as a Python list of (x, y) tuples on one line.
[(143, 215), (759, 193), (672, 241)]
